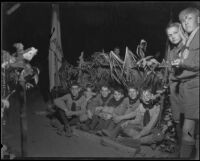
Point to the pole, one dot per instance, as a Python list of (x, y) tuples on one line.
[(23, 120)]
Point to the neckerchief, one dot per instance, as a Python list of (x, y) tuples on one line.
[(74, 99), (115, 103), (133, 101), (146, 118), (191, 37), (104, 99), (185, 52)]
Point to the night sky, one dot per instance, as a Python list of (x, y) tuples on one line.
[(89, 27)]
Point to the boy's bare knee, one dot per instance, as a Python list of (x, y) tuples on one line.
[(83, 118)]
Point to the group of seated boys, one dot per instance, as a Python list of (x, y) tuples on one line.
[(109, 112)]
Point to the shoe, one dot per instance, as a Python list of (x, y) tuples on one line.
[(56, 124), (106, 133), (68, 132), (61, 132), (99, 133), (84, 127)]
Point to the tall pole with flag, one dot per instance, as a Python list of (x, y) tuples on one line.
[(55, 49)]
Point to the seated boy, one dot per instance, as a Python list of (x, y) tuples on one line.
[(95, 104), (71, 108), (146, 116), (89, 95), (116, 107), (133, 102)]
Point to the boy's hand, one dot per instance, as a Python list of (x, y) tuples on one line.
[(116, 119), (89, 113), (69, 113), (176, 62), (125, 124), (98, 109), (138, 136)]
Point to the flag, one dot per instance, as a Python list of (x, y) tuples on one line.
[(55, 49), (129, 60)]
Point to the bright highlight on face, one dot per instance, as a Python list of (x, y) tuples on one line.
[(105, 91), (75, 90), (146, 96), (117, 95), (189, 18), (132, 93), (174, 35)]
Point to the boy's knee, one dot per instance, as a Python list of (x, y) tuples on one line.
[(83, 118)]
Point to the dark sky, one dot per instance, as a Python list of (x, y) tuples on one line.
[(89, 26)]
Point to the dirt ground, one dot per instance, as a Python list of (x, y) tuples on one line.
[(44, 142)]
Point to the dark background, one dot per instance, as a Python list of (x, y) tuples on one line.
[(89, 27)]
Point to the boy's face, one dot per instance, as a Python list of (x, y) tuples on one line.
[(117, 51), (75, 90), (132, 93), (89, 90), (117, 95), (174, 35), (105, 92), (189, 22), (146, 96)]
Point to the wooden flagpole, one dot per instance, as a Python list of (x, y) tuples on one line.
[(23, 121)]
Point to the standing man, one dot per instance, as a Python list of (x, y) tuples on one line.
[(189, 77), (177, 42)]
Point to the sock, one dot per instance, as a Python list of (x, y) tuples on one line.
[(116, 131), (186, 149), (178, 133), (111, 125)]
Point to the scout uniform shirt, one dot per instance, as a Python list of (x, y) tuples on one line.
[(74, 104), (133, 105), (139, 118), (115, 107), (173, 55), (191, 60), (98, 101)]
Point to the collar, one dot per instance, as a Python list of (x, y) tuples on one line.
[(191, 36), (133, 101), (76, 98)]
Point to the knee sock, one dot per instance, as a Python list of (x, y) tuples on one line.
[(179, 133), (94, 122), (186, 148)]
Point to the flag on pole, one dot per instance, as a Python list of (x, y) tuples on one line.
[(55, 48)]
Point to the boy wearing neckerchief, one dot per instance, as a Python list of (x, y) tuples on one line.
[(71, 108), (116, 106), (145, 117), (133, 102), (95, 105)]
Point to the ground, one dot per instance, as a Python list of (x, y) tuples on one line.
[(44, 142)]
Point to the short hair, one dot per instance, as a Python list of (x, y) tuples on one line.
[(189, 10), (75, 84), (173, 24), (104, 85), (132, 86), (118, 89)]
